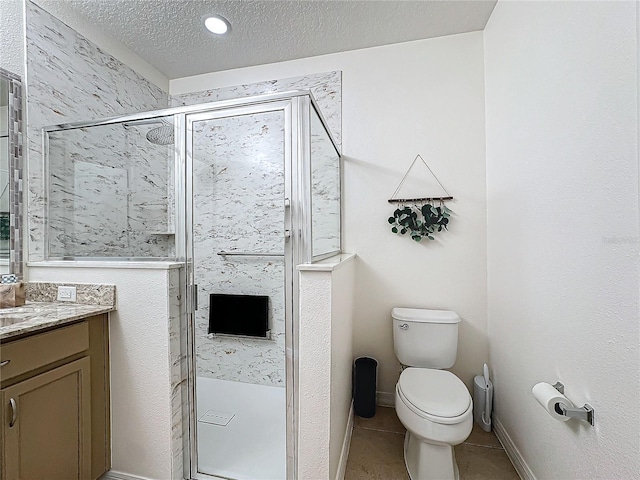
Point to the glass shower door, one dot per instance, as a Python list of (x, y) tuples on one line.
[(238, 164)]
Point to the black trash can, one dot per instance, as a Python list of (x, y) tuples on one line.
[(364, 386)]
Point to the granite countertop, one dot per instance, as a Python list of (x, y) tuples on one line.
[(35, 316)]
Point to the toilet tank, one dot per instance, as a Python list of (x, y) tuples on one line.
[(425, 338)]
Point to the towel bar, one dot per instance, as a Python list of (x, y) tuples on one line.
[(251, 254)]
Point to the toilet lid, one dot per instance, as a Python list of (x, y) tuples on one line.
[(436, 392)]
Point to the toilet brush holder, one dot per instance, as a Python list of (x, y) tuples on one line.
[(482, 400)]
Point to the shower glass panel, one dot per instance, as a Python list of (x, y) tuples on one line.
[(325, 191), (238, 241), (110, 190)]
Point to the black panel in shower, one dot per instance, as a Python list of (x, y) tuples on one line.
[(246, 315)]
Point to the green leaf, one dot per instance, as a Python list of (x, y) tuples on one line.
[(392, 220), (403, 231), (417, 238), (430, 237), (394, 230)]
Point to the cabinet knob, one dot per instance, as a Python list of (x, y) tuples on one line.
[(14, 412)]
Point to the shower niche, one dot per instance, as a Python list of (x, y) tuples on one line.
[(240, 192)]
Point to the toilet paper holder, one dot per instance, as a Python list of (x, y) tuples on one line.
[(585, 413)]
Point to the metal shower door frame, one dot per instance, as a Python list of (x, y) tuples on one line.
[(294, 247)]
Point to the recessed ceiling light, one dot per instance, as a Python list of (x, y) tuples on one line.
[(217, 24)]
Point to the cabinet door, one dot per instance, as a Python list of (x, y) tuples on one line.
[(46, 430)]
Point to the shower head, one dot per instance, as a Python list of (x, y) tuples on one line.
[(162, 135)]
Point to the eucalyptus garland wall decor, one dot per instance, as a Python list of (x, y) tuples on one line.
[(423, 217), (420, 221)]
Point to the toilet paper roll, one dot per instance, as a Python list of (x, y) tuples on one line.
[(548, 397)]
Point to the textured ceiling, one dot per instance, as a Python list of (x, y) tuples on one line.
[(169, 34)]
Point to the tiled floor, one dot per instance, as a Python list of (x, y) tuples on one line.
[(376, 452)]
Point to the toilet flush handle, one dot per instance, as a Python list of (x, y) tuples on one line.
[(403, 326)]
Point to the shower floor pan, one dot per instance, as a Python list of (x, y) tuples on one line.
[(252, 444)]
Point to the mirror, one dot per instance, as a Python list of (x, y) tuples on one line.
[(10, 173)]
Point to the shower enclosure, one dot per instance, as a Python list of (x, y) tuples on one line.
[(242, 192)]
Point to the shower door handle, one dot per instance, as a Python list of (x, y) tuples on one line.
[(192, 293), (287, 215)]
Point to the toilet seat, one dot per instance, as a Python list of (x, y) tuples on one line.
[(436, 395)]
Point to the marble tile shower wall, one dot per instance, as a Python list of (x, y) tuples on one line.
[(178, 372), (239, 206), (248, 360), (71, 79), (326, 88), (108, 194)]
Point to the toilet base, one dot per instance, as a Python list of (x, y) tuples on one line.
[(429, 461)]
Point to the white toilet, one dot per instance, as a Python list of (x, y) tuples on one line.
[(434, 405)]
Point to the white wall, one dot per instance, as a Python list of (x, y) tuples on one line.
[(562, 183), (324, 356), (12, 36), (342, 285), (314, 380), (397, 101), (140, 370)]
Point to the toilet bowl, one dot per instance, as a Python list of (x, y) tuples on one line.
[(436, 409), (433, 404)]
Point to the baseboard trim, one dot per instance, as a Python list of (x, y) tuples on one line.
[(112, 475), (344, 455), (386, 399), (512, 451)]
